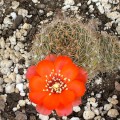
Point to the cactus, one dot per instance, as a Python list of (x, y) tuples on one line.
[(76, 40)]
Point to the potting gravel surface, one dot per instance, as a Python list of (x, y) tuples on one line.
[(20, 20)]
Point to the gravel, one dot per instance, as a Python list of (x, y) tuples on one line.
[(19, 21)]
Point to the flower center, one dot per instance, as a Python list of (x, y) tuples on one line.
[(56, 83)]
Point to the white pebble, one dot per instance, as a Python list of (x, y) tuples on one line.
[(7, 21), (15, 109), (2, 43), (101, 9), (98, 81), (15, 4), (35, 1), (98, 95), (22, 12), (76, 109), (113, 113), (98, 118), (50, 13), (52, 118), (43, 117), (113, 15), (19, 86), (10, 88), (22, 93), (6, 63), (94, 0), (13, 15), (88, 115), (64, 8), (12, 40), (21, 103), (112, 100), (69, 2), (18, 78), (107, 107), (75, 118)]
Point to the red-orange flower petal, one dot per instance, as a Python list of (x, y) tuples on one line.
[(51, 57), (64, 111), (43, 110), (61, 61), (77, 87), (37, 84), (37, 97), (51, 101), (31, 71), (77, 102), (70, 71), (66, 97), (44, 67), (82, 76)]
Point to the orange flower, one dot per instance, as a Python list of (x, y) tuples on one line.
[(56, 83)]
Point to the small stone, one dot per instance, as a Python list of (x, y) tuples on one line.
[(17, 21), (21, 103), (113, 113), (75, 118), (26, 26), (13, 15), (20, 116), (101, 9), (10, 88), (7, 21), (2, 104), (1, 81), (98, 81), (65, 7), (15, 4), (113, 15), (98, 118), (19, 86), (35, 1), (52, 118), (96, 111), (118, 31), (117, 86), (43, 117), (23, 12), (69, 2), (18, 78), (2, 43), (5, 71), (114, 96), (12, 40), (98, 95), (8, 80), (1, 2), (74, 8), (15, 109), (76, 109), (88, 115), (6, 63), (22, 94), (12, 76), (1, 88), (107, 107), (94, 0), (113, 101), (91, 100), (50, 13)]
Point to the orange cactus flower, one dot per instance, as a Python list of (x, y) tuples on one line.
[(56, 83)]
